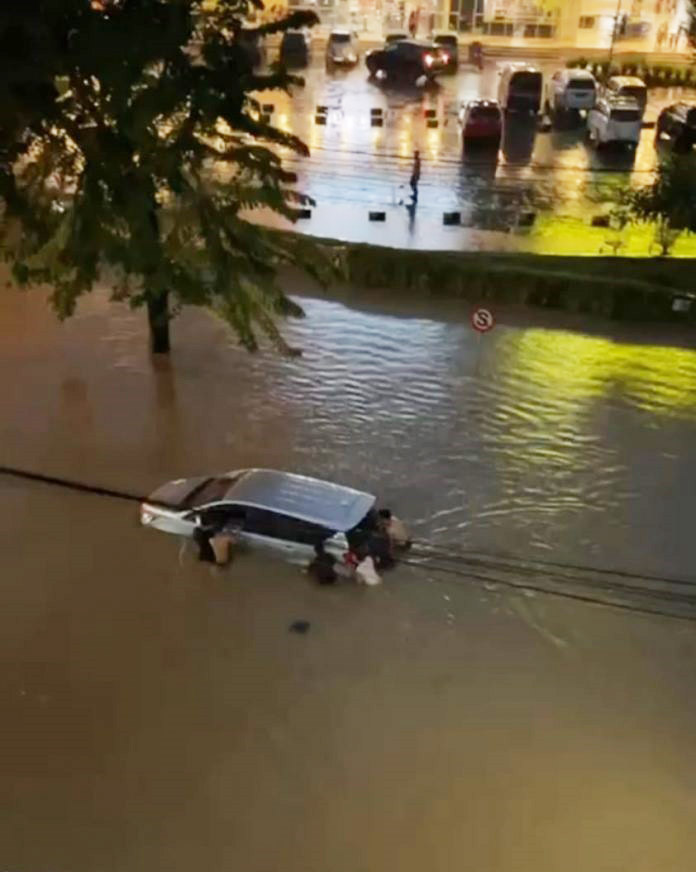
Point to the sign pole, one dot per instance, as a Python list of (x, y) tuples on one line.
[(482, 321)]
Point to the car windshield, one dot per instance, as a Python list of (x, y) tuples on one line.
[(449, 41), (527, 81), (625, 115), (209, 492), (490, 112), (691, 117), (340, 37), (636, 92), (294, 40), (581, 85)]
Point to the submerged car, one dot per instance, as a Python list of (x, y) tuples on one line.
[(280, 512), (342, 49), (408, 60)]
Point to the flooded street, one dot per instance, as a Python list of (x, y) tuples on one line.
[(157, 713)]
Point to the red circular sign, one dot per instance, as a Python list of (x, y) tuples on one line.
[(482, 320)]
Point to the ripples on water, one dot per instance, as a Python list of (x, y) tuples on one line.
[(526, 439)]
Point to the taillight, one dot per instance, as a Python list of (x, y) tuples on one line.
[(428, 60), (445, 57)]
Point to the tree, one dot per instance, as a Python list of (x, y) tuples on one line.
[(132, 148), (669, 201)]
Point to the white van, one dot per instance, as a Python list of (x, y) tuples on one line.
[(617, 121), (628, 87), (569, 90), (520, 88)]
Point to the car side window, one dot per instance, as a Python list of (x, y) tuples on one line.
[(218, 516), (277, 526)]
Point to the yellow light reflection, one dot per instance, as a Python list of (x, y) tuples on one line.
[(581, 368), (433, 143), (557, 385)]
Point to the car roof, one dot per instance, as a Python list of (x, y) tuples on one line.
[(482, 104), (578, 73), (308, 499), (520, 67), (340, 31), (421, 43), (628, 80), (622, 103)]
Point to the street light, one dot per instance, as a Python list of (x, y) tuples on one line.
[(613, 33)]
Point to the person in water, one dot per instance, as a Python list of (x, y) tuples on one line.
[(323, 566), (365, 572), (395, 529)]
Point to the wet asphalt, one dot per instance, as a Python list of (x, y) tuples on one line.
[(356, 167)]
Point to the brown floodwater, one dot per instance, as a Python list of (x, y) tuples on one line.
[(157, 713)]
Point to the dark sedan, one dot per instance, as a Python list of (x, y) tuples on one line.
[(408, 60)]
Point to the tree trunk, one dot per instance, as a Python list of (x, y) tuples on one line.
[(158, 319)]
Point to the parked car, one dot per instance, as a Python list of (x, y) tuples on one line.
[(294, 48), (449, 43), (395, 36), (678, 122), (481, 122), (520, 88), (629, 87), (615, 121), (254, 46), (571, 90), (342, 49), (408, 60), (279, 512)]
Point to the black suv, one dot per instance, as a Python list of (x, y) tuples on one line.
[(294, 49), (679, 123), (408, 60)]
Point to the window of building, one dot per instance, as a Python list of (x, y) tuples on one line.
[(587, 22)]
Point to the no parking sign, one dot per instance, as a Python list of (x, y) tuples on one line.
[(482, 320)]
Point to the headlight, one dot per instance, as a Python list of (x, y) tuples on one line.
[(146, 517), (351, 58)]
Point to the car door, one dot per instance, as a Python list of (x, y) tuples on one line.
[(281, 535)]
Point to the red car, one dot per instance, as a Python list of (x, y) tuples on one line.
[(482, 122)]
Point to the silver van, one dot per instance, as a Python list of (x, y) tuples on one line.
[(627, 88)]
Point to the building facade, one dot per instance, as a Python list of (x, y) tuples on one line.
[(641, 25)]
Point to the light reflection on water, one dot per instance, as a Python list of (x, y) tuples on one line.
[(529, 438)]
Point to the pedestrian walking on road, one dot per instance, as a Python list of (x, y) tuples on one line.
[(415, 174), (412, 23)]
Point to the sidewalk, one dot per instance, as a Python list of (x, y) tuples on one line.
[(510, 46)]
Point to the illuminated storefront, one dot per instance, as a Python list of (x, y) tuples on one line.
[(646, 25)]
